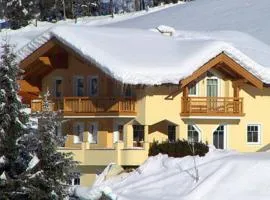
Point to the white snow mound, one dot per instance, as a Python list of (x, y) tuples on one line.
[(223, 175)]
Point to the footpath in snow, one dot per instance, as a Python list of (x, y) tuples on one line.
[(223, 175)]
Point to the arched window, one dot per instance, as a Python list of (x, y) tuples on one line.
[(193, 134)]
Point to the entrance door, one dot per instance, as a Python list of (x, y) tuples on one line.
[(219, 137), (93, 131), (212, 93)]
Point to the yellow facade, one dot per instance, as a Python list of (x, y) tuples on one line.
[(157, 108)]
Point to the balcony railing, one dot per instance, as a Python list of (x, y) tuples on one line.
[(212, 106), (88, 105)]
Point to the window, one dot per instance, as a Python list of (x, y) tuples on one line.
[(93, 85), (93, 132), (193, 134), (192, 90), (74, 181), (253, 133), (121, 132), (78, 132), (79, 86), (58, 130), (171, 133), (212, 87), (58, 87), (138, 133)]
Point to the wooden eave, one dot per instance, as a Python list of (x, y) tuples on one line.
[(231, 64)]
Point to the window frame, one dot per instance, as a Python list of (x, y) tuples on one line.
[(259, 133), (218, 85), (89, 84), (196, 129), (168, 131), (75, 133), (75, 92), (196, 85), (95, 125), (138, 130), (57, 78)]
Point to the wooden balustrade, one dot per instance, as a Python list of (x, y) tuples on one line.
[(88, 105), (215, 106)]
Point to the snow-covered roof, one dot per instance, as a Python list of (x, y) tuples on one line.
[(248, 16), (146, 57)]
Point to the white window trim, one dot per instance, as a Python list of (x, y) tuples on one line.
[(259, 134), (89, 78), (75, 90), (197, 91), (77, 136), (218, 86), (197, 129), (54, 84)]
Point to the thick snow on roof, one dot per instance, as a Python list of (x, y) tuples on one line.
[(247, 16), (222, 175), (147, 57)]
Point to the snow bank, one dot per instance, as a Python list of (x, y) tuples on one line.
[(223, 175), (144, 57)]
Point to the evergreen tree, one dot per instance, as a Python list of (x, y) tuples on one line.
[(12, 126), (54, 169), (30, 165)]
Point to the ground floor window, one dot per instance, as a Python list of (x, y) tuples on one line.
[(171, 133), (138, 134), (193, 134), (78, 129), (75, 181), (253, 133), (121, 132), (219, 137)]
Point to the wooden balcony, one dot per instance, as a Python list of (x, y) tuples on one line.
[(89, 106), (212, 106)]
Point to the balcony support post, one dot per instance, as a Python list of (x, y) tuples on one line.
[(236, 91), (185, 100)]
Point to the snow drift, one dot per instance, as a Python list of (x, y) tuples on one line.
[(223, 175)]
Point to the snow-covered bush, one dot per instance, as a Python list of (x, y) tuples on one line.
[(179, 148)]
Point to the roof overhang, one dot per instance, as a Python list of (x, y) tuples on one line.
[(230, 63)]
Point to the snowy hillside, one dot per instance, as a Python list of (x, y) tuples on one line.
[(249, 16), (24, 35), (223, 175)]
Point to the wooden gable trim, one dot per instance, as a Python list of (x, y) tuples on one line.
[(36, 54), (230, 63)]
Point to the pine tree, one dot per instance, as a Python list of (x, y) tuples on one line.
[(30, 165), (13, 123), (54, 169)]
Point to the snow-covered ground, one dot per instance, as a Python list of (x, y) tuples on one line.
[(223, 175)]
